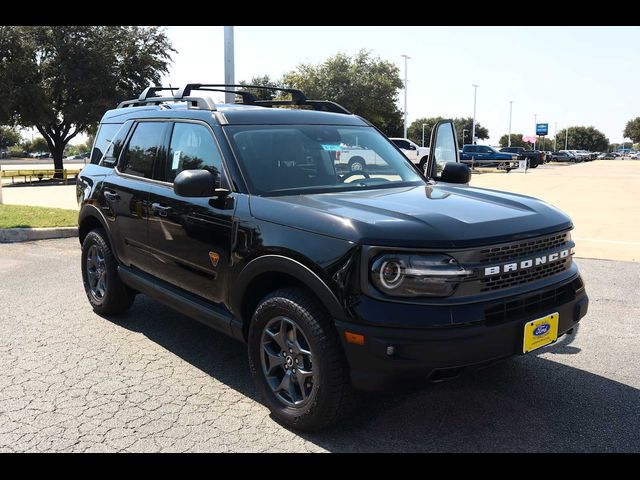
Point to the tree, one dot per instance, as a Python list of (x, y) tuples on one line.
[(38, 144), (466, 123), (9, 136), (516, 141), (365, 85), (260, 93), (61, 79), (583, 138), (414, 131), (545, 144), (632, 130)]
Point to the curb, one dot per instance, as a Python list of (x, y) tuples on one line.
[(10, 235)]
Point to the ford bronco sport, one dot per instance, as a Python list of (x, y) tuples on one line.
[(238, 216)]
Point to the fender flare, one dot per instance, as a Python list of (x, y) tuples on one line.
[(92, 211), (281, 264)]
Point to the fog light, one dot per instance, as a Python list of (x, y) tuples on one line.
[(391, 350)]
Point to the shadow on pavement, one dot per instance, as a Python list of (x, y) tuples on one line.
[(528, 403)]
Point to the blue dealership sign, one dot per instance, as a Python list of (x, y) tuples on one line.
[(542, 128)]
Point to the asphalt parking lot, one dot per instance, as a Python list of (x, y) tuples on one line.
[(154, 380)]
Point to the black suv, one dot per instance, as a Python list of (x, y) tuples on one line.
[(238, 216)]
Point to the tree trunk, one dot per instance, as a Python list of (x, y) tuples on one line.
[(57, 153)]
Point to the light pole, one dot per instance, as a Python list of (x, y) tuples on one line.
[(229, 68), (406, 57), (423, 125), (535, 129), (555, 138), (566, 138), (463, 131), (510, 112), (473, 127)]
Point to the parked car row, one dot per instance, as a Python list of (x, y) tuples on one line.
[(80, 156), (534, 157), (574, 156), (612, 155)]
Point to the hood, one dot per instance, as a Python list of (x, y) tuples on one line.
[(442, 216)]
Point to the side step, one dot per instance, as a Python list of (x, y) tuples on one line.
[(178, 300)]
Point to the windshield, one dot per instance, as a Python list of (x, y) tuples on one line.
[(292, 159)]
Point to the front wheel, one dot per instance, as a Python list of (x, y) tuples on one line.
[(105, 291), (296, 361)]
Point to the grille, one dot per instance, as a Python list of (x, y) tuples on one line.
[(512, 279), (532, 304), (519, 249)]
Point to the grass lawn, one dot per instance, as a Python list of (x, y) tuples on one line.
[(13, 216)]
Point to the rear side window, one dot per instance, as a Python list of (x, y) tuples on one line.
[(192, 148), (142, 150), (106, 133), (110, 157)]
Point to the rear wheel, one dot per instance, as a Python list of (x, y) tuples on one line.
[(105, 291), (296, 361)]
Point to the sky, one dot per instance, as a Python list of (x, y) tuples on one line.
[(568, 75)]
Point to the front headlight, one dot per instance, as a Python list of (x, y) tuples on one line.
[(411, 275)]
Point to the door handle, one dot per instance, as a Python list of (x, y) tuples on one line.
[(111, 196), (161, 210)]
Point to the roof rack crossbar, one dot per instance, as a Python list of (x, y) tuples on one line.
[(150, 91), (247, 97), (297, 96)]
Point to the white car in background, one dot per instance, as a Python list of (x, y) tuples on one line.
[(357, 158), (417, 155)]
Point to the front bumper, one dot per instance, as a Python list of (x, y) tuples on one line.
[(431, 351)]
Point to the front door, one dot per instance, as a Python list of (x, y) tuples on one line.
[(443, 147), (190, 238)]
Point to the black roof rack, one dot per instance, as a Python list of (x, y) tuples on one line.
[(298, 98), (149, 92)]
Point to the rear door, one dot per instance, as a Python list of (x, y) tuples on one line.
[(191, 237), (125, 193)]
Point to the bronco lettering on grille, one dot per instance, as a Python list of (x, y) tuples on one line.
[(527, 263)]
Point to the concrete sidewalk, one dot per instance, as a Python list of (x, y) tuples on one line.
[(53, 196)]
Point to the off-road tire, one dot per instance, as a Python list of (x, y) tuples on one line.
[(331, 396), (118, 297)]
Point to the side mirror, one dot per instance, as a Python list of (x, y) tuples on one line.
[(198, 183), (411, 147), (454, 172)]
